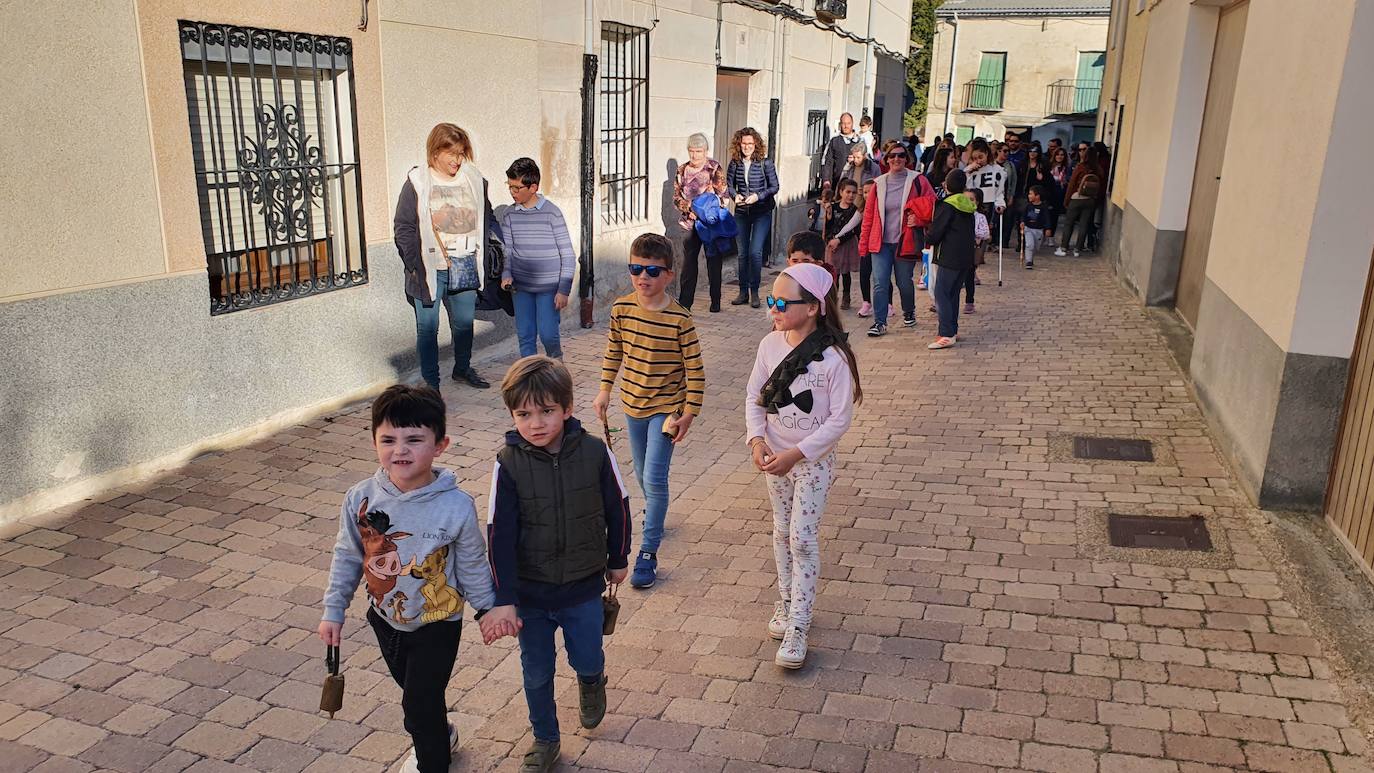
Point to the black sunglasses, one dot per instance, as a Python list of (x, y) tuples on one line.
[(653, 271), (781, 303)]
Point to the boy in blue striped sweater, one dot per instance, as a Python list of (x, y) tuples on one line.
[(539, 260)]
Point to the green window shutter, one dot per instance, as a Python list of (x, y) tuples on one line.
[(1088, 86), (962, 134), (987, 90)]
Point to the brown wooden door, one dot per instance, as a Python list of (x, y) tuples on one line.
[(1216, 122), (1350, 490)]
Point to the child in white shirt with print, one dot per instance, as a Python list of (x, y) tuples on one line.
[(801, 400)]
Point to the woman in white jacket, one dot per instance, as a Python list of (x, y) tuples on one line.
[(443, 219)]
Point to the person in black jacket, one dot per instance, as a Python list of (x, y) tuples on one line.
[(951, 233), (753, 183), (837, 151)]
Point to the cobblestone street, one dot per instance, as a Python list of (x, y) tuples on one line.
[(971, 617)]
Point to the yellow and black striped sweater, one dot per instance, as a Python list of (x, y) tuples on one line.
[(660, 356)]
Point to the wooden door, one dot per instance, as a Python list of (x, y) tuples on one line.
[(1350, 489), (1216, 122), (732, 111)]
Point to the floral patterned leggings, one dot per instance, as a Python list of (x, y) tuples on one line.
[(798, 502)]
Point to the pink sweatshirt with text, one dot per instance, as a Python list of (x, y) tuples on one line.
[(821, 406)]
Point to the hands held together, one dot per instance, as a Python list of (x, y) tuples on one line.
[(499, 622), (773, 464)]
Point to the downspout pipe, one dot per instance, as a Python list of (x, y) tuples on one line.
[(868, 59), (953, 57), (587, 262)]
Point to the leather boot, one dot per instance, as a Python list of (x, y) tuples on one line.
[(754, 302)]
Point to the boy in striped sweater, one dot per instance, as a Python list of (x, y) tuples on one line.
[(653, 337), (539, 260)]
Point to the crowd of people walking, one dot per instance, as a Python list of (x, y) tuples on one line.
[(559, 526)]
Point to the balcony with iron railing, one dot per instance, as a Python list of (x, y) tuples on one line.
[(1072, 97), (983, 96)]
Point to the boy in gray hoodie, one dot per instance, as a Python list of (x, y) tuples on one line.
[(412, 534)]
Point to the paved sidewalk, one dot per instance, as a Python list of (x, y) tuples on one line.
[(970, 618)]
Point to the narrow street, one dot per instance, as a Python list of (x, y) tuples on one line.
[(971, 617)]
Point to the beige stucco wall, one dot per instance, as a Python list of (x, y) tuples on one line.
[(1171, 93), (1039, 52), (1124, 69), (1256, 257), (167, 112), (79, 203), (507, 73)]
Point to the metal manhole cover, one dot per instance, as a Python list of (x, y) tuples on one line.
[(1114, 448), (1159, 532)]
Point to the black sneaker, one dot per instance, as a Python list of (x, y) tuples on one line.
[(1030, 265), (715, 307), (908, 322), (592, 703), (472, 379), (877, 330)]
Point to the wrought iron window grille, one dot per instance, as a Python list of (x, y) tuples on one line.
[(624, 119), (817, 134), (274, 132)]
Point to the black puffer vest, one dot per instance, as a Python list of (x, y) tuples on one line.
[(562, 513)]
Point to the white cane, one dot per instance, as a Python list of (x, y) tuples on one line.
[(1000, 231)]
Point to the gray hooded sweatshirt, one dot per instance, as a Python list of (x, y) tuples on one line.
[(421, 553)]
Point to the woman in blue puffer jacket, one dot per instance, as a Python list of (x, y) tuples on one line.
[(753, 182)]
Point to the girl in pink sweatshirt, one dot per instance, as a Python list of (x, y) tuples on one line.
[(801, 399)]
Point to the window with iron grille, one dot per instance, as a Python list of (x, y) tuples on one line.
[(273, 122), (624, 119), (817, 132)]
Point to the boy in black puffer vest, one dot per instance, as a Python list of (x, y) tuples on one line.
[(558, 531)]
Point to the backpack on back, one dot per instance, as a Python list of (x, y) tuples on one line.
[(1091, 185)]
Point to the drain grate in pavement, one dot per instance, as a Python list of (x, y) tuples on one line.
[(1113, 448), (1158, 532)]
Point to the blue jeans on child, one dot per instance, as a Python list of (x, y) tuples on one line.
[(753, 234), (462, 309), (581, 626), (652, 454), (537, 320), (885, 264)]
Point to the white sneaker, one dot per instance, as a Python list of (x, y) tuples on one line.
[(781, 616), (412, 765), (792, 653), (1075, 253), (1059, 252)]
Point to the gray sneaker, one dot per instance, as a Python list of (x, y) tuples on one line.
[(541, 758), (592, 703)]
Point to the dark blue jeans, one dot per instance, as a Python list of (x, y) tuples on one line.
[(462, 309), (886, 267), (536, 319), (581, 626), (753, 235), (948, 283)]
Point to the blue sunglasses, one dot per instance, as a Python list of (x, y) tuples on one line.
[(781, 303), (653, 271)]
